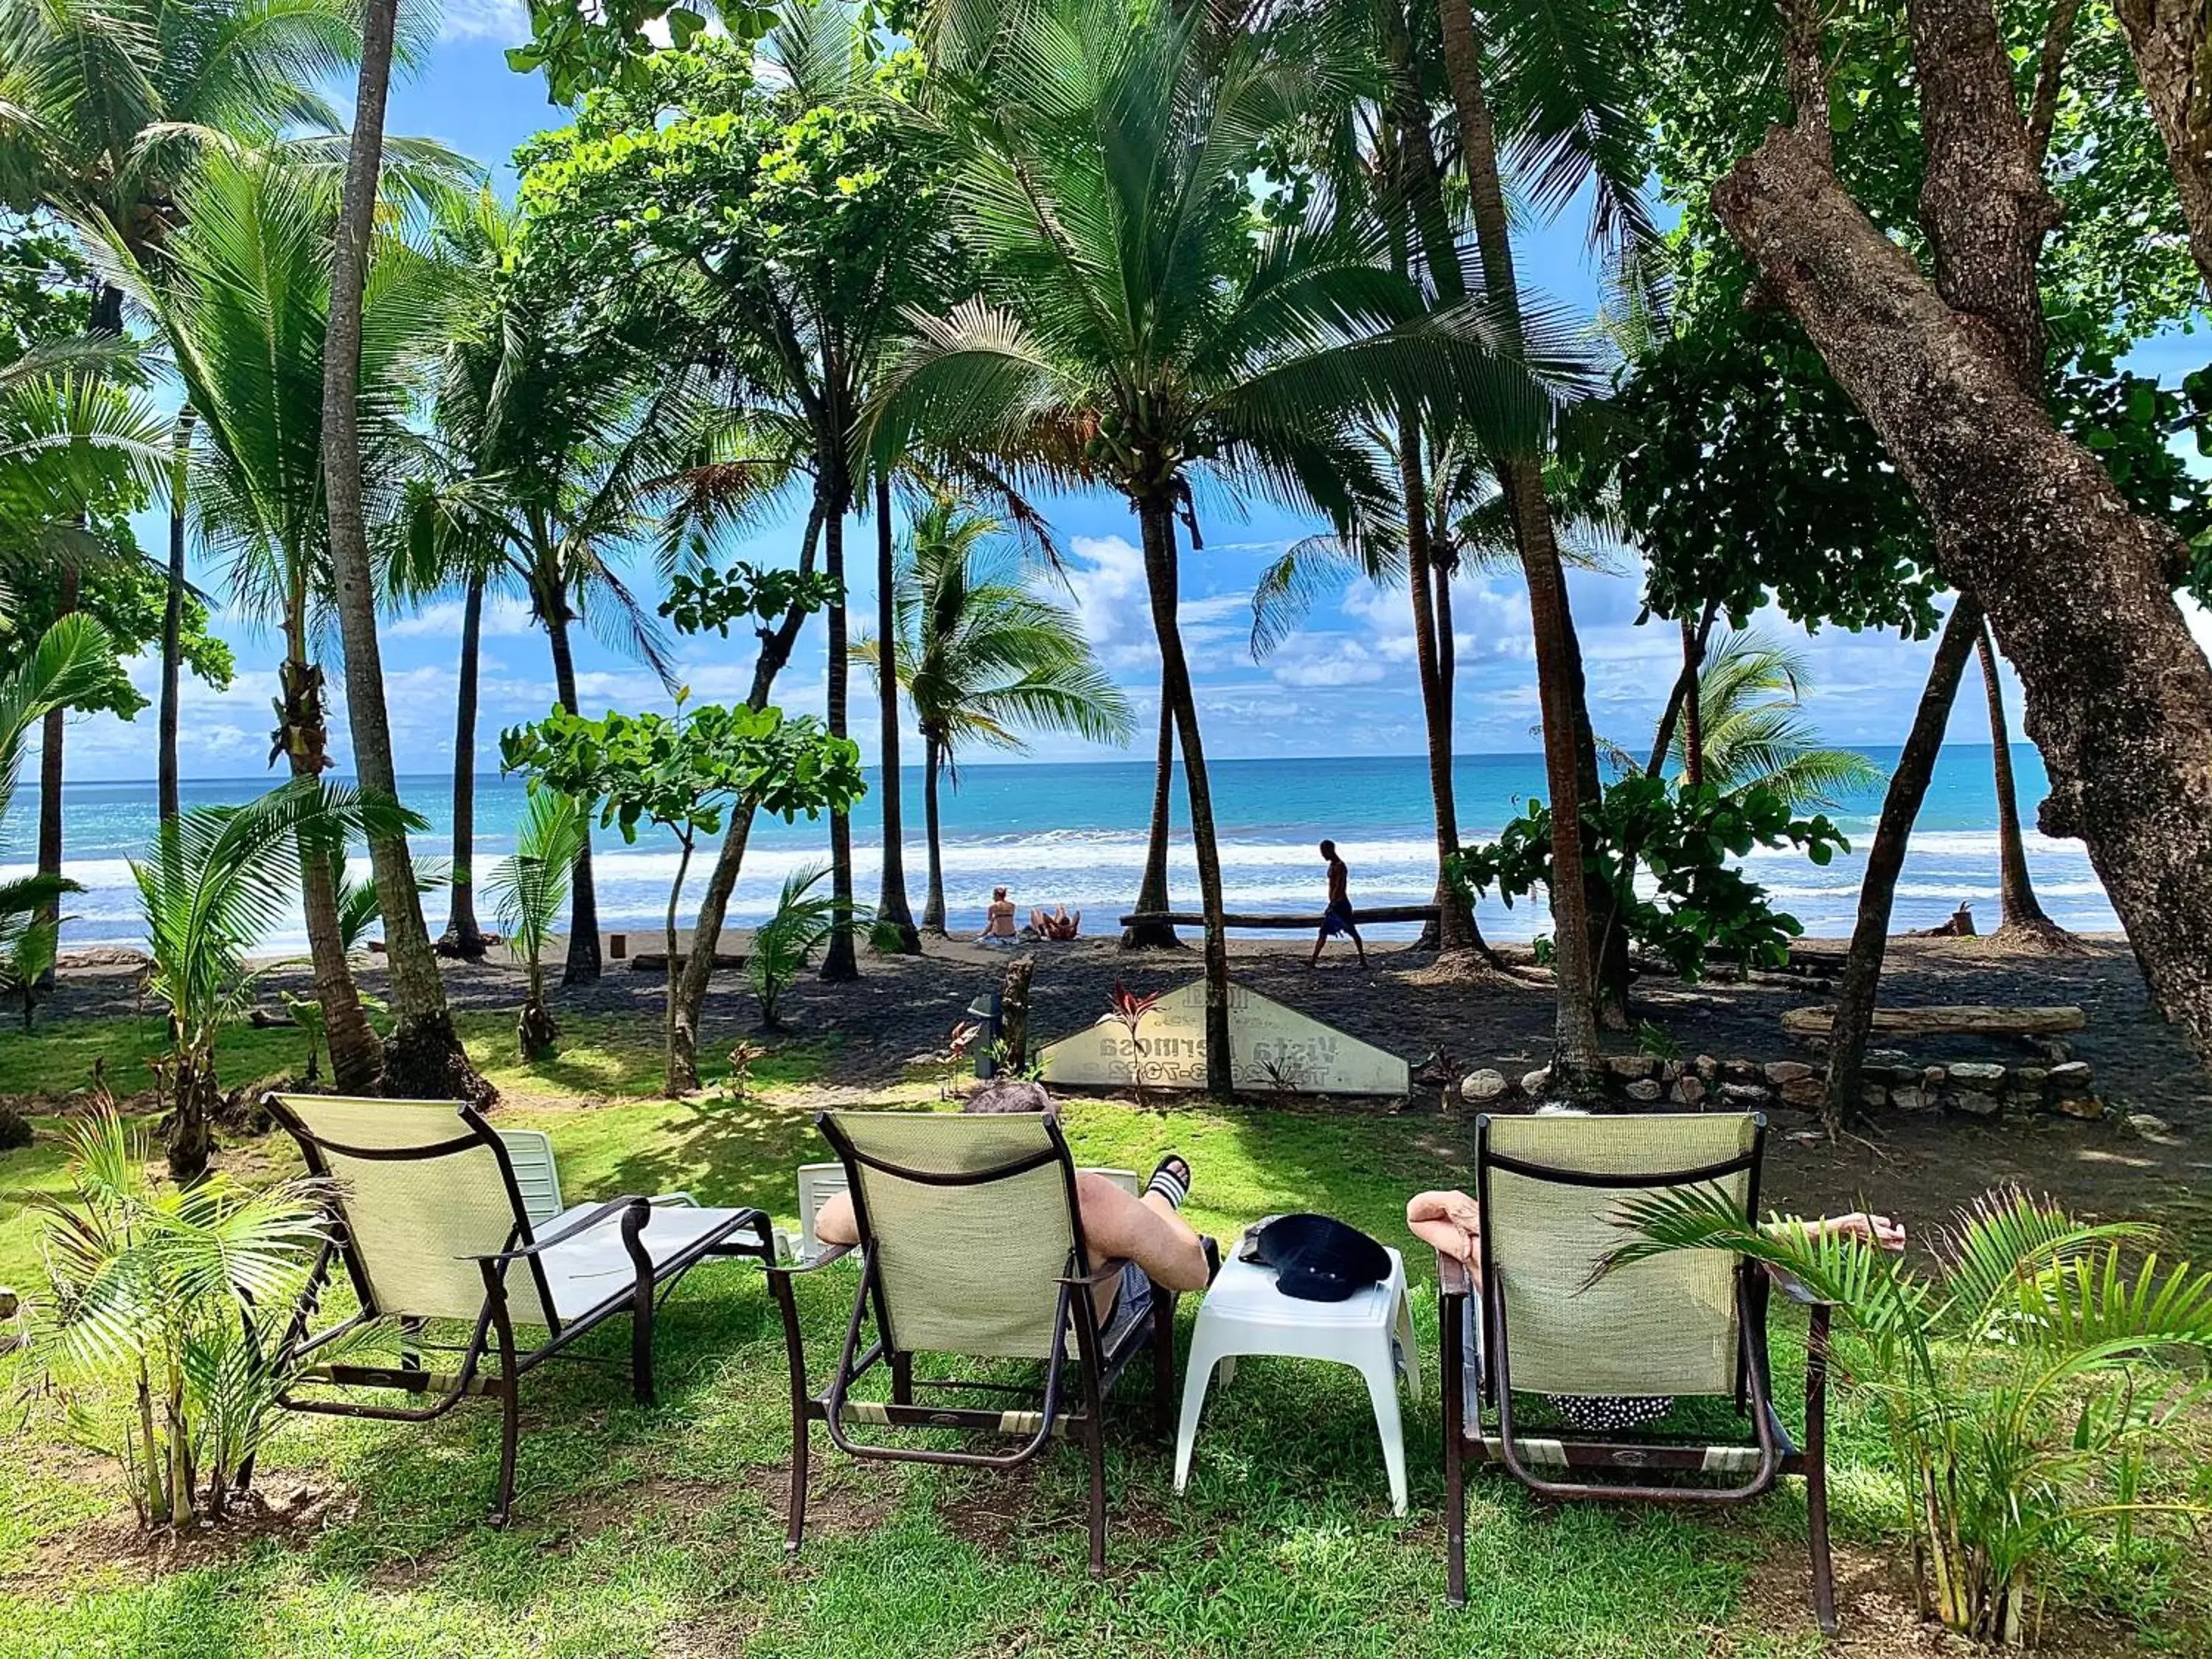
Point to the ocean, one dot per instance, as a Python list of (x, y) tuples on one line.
[(1074, 833)]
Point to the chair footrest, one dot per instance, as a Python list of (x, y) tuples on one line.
[(1559, 1452), (885, 1414), (396, 1377)]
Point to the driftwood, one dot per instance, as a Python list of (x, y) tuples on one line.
[(656, 962), (1014, 1012), (1968, 1019), (1380, 913)]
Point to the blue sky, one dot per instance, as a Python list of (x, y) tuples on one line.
[(1344, 685)]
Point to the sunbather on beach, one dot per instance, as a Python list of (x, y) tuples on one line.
[(998, 920), (1336, 917), (1058, 925), (1451, 1222), (1148, 1231)]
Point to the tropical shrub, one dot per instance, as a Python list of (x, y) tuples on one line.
[(802, 922), (2023, 1369), (528, 892), (150, 1337), (1683, 838), (218, 881)]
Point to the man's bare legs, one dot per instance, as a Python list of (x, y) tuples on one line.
[(1117, 1225)]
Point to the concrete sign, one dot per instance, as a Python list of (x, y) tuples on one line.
[(1273, 1048)]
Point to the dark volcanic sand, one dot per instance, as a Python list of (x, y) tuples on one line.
[(1919, 1167)]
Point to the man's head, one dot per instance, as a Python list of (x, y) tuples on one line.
[(1329, 851), (1006, 1095)]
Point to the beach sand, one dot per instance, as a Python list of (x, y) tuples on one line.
[(875, 1030)]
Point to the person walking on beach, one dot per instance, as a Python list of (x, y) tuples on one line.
[(1337, 917)]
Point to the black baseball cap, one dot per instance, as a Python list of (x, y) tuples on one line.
[(1317, 1258)]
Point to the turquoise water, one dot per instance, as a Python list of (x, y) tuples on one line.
[(1075, 834)]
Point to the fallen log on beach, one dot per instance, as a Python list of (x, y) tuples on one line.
[(1959, 1019), (1360, 918)]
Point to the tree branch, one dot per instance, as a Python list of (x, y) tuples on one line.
[(2042, 114)]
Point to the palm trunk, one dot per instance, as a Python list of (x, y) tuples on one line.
[(167, 794), (1901, 805), (1153, 885), (1156, 519), (672, 972), (1684, 688), (192, 1115), (933, 761), (891, 907), (464, 937), (581, 966), (1576, 1061), (729, 862), (1693, 714), (426, 1057), (2021, 920), (840, 961), (356, 1057)]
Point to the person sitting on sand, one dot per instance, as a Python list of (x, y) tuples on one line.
[(1148, 1232), (1058, 925), (998, 920), (1337, 917), (1451, 1222)]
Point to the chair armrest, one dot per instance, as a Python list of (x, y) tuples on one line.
[(792, 1270), (673, 1202), (1102, 1275), (582, 1223), (1452, 1276)]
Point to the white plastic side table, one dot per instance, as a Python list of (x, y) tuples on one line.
[(1373, 1331)]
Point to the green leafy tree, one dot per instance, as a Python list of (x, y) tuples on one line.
[(683, 773), (529, 890), (2022, 1367), (984, 661), (1135, 308)]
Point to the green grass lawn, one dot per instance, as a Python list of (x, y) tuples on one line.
[(651, 1531)]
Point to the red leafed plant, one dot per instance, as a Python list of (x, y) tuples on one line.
[(1127, 1009), (957, 1042)]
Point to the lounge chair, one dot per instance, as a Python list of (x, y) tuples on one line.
[(972, 1242), (431, 1222), (1685, 1324)]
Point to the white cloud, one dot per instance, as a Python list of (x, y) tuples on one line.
[(503, 618), (1318, 659), (507, 21)]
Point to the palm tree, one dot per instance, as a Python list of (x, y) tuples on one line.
[(2021, 921), (1748, 728), (219, 879), (242, 300), (1133, 307), (984, 661), (530, 890)]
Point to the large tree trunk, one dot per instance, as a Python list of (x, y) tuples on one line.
[(1156, 520), (722, 881), (2118, 696), (2021, 923), (581, 965), (2171, 40), (1576, 1061), (464, 937), (356, 1057), (933, 761), (426, 1060), (840, 961), (1900, 807), (167, 794), (1693, 712), (1153, 885), (891, 908)]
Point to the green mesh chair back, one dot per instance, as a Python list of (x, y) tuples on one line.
[(970, 1222), (1665, 1325), (421, 1188)]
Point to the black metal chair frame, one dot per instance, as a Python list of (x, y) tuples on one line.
[(493, 1334), (1779, 1455), (1097, 1368)]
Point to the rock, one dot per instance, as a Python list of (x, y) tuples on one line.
[(1645, 1089), (1907, 1098), (1707, 1068), (1780, 1071), (1672, 1071), (1933, 1077), (1741, 1071), (1534, 1082), (1803, 1092), (2148, 1123), (1688, 1090), (2086, 1107), (1745, 1096), (1887, 1056), (1974, 1103), (1485, 1084), (2030, 1078), (1631, 1067), (1889, 1076), (1980, 1074), (11, 1303), (2070, 1077), (1874, 1095)]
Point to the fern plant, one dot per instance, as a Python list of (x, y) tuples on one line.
[(2022, 1374)]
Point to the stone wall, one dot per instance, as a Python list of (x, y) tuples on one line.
[(1892, 1083)]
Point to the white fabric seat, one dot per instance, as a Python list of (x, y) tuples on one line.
[(584, 1271)]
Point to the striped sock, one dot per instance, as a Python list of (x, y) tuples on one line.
[(1173, 1187)]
